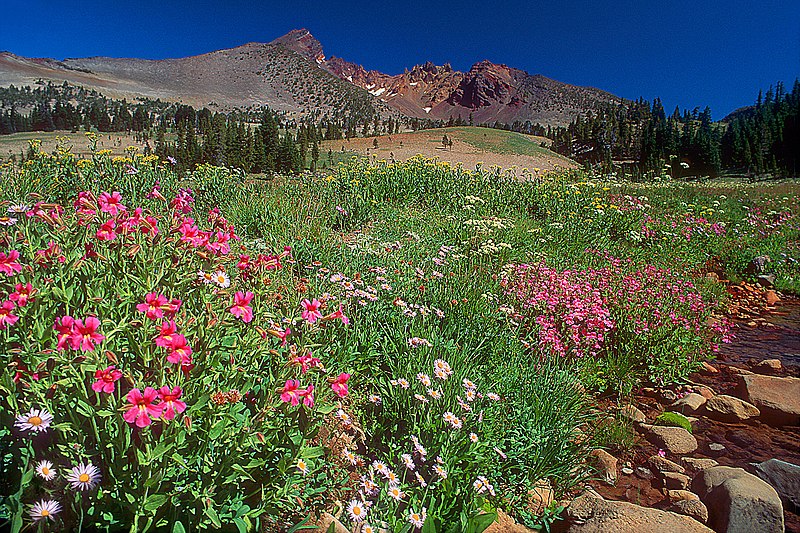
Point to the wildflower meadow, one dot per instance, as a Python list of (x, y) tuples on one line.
[(408, 346)]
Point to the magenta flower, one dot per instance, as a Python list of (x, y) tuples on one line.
[(64, 327), (153, 305), (180, 351), (9, 264), (166, 334), (22, 294), (306, 361), (290, 392), (84, 334), (241, 306), (106, 231), (311, 311), (6, 317), (308, 396), (141, 408), (338, 314), (105, 379), (339, 385), (111, 203), (171, 402)]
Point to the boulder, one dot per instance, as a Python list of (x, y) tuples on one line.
[(677, 495), (772, 297), (694, 508), (632, 413), (606, 465), (738, 501), (689, 404), (540, 497), (778, 399), (715, 449), (707, 368), (594, 515), (766, 280), (784, 478), (730, 409), (676, 441), (644, 473), (506, 524), (769, 366), (697, 464), (705, 392), (326, 520), (675, 481), (661, 464)]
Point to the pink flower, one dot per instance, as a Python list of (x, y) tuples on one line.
[(6, 318), (290, 392), (241, 306), (306, 361), (153, 305), (180, 351), (141, 408), (171, 402), (311, 310), (308, 396), (9, 264), (166, 334), (84, 334), (338, 314), (106, 231), (171, 308), (22, 294), (64, 327), (339, 385), (111, 203), (105, 379)]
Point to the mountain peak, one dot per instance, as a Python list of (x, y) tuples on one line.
[(302, 42)]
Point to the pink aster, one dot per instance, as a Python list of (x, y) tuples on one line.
[(311, 310), (6, 317), (64, 327), (9, 264), (339, 385), (22, 294), (84, 334), (141, 408), (153, 305), (105, 379), (171, 402), (111, 203), (241, 306)]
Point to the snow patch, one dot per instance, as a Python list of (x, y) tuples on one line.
[(414, 83), (350, 79), (427, 109), (370, 86), (378, 92)]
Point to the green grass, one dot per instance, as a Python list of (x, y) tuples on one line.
[(499, 141)]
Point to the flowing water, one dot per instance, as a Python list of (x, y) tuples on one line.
[(776, 337)]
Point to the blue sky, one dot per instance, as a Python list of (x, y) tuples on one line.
[(690, 53)]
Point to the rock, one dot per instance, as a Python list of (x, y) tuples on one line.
[(592, 515), (632, 413), (771, 297), (540, 497), (738, 501), (693, 508), (739, 371), (708, 369), (784, 478), (506, 524), (730, 409), (676, 441), (675, 481), (705, 392), (661, 464), (606, 464), (716, 449), (766, 280), (778, 399), (627, 470), (325, 521), (668, 396), (689, 404), (758, 265), (644, 473), (769, 366), (696, 464), (677, 495)]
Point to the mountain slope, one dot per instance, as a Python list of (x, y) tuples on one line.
[(293, 75)]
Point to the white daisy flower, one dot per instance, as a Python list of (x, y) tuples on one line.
[(357, 510), (417, 519), (221, 278), (35, 420), (45, 470), (44, 509), (84, 476)]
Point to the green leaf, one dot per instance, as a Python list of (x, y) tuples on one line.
[(154, 501), (214, 517), (177, 527), (240, 525), (311, 453)]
